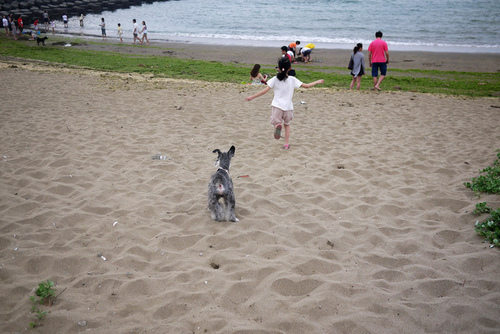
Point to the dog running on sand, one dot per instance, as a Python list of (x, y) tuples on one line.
[(221, 200), (41, 40)]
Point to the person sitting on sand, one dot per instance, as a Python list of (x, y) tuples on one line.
[(284, 53), (256, 78)]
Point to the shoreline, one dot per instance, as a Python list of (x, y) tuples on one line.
[(403, 60), (272, 43)]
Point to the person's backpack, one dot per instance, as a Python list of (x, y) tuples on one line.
[(351, 64)]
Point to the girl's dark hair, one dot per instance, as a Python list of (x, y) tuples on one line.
[(255, 70), (357, 48), (283, 67)]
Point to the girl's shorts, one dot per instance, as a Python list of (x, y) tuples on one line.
[(279, 116)]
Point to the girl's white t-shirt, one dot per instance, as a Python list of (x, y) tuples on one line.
[(283, 92)]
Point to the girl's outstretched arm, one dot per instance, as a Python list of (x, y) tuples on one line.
[(262, 92), (309, 85)]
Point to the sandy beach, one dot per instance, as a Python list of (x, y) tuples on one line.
[(362, 226)]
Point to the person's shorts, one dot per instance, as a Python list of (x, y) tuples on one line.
[(135, 35), (45, 20), (376, 67), (306, 53), (279, 116)]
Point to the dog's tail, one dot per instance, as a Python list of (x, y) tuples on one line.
[(220, 189)]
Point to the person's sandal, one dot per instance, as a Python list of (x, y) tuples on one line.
[(277, 132), (286, 147)]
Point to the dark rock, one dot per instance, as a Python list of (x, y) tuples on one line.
[(33, 9)]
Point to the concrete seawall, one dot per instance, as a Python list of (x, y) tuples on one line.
[(30, 10)]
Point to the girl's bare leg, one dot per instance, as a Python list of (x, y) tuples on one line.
[(287, 133)]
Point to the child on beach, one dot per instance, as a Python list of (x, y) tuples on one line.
[(53, 26), (103, 28), (144, 32), (282, 105), (5, 23), (256, 78), (120, 32)]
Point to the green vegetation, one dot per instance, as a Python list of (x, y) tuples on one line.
[(488, 183), (468, 84), (490, 228), (46, 296)]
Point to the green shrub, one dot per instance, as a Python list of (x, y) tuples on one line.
[(488, 183), (46, 296)]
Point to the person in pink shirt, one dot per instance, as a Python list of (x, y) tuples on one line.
[(378, 55)]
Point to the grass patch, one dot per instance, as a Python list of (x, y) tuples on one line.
[(468, 84)]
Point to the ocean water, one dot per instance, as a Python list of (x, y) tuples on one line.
[(424, 25)]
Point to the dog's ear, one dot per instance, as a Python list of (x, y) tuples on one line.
[(231, 151), (217, 151)]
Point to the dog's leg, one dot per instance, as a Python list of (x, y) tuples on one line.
[(214, 206), (230, 207), (212, 202), (218, 212)]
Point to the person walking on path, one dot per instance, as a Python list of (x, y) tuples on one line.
[(46, 20), (378, 55), (120, 32), (5, 23), (136, 32), (13, 28), (53, 26), (103, 28), (20, 24), (358, 69), (144, 32), (282, 105)]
